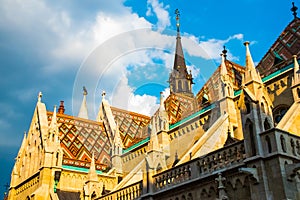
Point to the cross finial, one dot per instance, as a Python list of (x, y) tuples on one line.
[(84, 91), (294, 10), (224, 52), (40, 96), (177, 19), (103, 94)]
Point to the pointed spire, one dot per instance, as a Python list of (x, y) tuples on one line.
[(83, 112), (296, 70), (223, 69), (23, 143), (294, 10), (250, 71), (92, 175), (53, 124), (179, 62)]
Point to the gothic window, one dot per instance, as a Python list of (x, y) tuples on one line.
[(298, 92), (183, 197), (269, 145), (283, 143), (187, 86), (179, 86), (250, 132), (279, 112), (293, 147), (266, 124)]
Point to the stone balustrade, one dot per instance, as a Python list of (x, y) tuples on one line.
[(229, 156), (130, 192)]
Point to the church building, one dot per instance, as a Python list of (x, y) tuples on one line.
[(237, 138)]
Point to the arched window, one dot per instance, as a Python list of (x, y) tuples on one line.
[(248, 107), (298, 92), (293, 147), (267, 125), (179, 86), (269, 145), (279, 112), (251, 136)]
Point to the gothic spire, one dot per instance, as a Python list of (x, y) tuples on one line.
[(83, 112), (223, 69), (92, 175), (250, 72), (180, 80), (179, 62)]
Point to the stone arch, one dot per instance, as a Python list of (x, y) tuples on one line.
[(279, 111), (189, 196), (269, 144), (267, 125), (251, 136), (283, 143)]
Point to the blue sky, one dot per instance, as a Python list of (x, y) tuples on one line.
[(123, 47)]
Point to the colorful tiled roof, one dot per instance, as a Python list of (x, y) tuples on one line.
[(209, 92), (178, 106), (132, 126), (80, 138), (286, 45)]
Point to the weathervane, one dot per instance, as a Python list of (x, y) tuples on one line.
[(294, 9), (177, 19)]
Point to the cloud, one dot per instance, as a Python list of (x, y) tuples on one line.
[(163, 18), (123, 97), (209, 49)]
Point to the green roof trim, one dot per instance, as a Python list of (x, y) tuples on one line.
[(269, 77), (277, 55), (237, 92), (207, 108), (136, 145), (278, 72), (79, 169)]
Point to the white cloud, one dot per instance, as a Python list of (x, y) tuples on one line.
[(124, 98), (161, 13)]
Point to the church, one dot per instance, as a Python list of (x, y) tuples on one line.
[(237, 138)]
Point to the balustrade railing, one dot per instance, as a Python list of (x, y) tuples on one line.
[(130, 192), (223, 158)]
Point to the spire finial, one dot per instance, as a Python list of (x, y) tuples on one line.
[(177, 19), (224, 52), (40, 96), (294, 10), (84, 91), (103, 94)]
